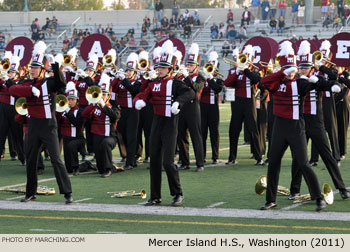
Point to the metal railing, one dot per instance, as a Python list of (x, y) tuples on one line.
[(65, 31)]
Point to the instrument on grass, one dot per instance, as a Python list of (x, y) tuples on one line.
[(261, 186), (124, 194), (327, 194), (41, 190)]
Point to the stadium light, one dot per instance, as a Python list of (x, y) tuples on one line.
[(25, 6)]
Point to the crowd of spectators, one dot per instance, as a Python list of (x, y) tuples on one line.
[(49, 28)]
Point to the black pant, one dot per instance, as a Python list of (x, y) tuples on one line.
[(316, 131), (243, 110), (342, 108), (71, 147), (40, 131), (162, 149), (127, 126), (262, 125), (88, 135), (331, 125), (40, 164), (103, 152), (210, 117), (287, 132), (270, 120), (190, 120), (8, 124), (145, 123)]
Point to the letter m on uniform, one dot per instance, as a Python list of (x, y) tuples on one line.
[(156, 88)]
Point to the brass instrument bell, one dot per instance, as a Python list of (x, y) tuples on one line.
[(61, 103), (93, 94), (21, 106)]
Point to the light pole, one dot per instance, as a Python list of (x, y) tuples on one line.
[(25, 6)]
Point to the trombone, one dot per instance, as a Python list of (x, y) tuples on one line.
[(229, 61), (61, 103), (41, 190), (209, 68), (261, 186), (327, 194), (21, 106), (243, 61), (124, 194), (317, 57), (93, 94)]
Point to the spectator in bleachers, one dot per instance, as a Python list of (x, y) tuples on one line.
[(204, 58), (336, 22), (2, 40), (301, 38), (273, 25), (214, 31), (144, 30), (232, 34), (181, 22), (324, 8), (171, 35), (159, 37), (159, 10), (123, 42), (132, 43), (35, 35), (265, 8), (327, 21), (273, 8), (117, 46), (36, 22), (295, 7), (222, 31), (144, 42), (196, 17), (86, 33), (301, 13), (109, 30), (246, 15), (190, 20), (332, 10), (173, 22), (80, 33), (281, 25), (229, 25), (340, 5), (55, 22), (165, 24), (41, 35), (175, 8), (75, 35), (255, 8), (33, 26), (242, 34), (187, 31), (225, 49), (72, 43), (95, 30), (100, 29), (229, 16), (185, 15), (80, 40), (147, 21), (294, 38), (46, 25), (9, 38), (114, 38), (282, 7), (65, 44), (156, 26)]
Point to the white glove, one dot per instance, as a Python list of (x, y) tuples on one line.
[(6, 77), (290, 70), (36, 92), (139, 104), (107, 70), (120, 75), (210, 76), (69, 69), (304, 77), (80, 73), (153, 74), (67, 109), (50, 58), (238, 70), (335, 89), (313, 79), (175, 108), (183, 70), (101, 103)]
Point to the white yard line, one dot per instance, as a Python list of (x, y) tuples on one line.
[(18, 197), (109, 232), (43, 230), (216, 204), (81, 200)]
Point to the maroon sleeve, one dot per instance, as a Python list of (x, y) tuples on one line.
[(88, 111), (21, 90), (20, 119), (145, 95), (272, 81), (144, 84), (115, 85)]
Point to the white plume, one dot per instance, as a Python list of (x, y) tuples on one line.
[(132, 57), (194, 49), (213, 56), (326, 45), (178, 55), (143, 55), (113, 53), (304, 48), (7, 55), (167, 47), (70, 86), (286, 49), (39, 48), (156, 52), (73, 52), (59, 58)]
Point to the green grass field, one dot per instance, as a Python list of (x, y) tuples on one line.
[(233, 186)]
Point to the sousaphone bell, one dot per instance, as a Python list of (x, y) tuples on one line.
[(61, 103), (21, 106), (93, 94)]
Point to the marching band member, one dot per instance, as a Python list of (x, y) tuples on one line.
[(314, 124), (289, 127), (190, 117), (42, 129), (209, 106), (328, 105), (7, 108), (128, 124), (72, 124), (243, 108), (168, 96), (103, 119)]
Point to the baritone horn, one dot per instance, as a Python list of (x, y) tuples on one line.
[(124, 194), (209, 68), (67, 60), (229, 61), (5, 65), (93, 94), (143, 64), (243, 61), (107, 60), (261, 186), (327, 194), (61, 103), (21, 106)]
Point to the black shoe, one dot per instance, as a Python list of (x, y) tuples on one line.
[(215, 161), (178, 200), (260, 162), (293, 195), (23, 162), (313, 164), (344, 194), (28, 198), (233, 162), (184, 167), (266, 162), (13, 158), (145, 160), (47, 158), (106, 174), (76, 172), (199, 169), (68, 197), (152, 202), (40, 171), (342, 157), (246, 143), (320, 204), (268, 205), (127, 167), (123, 160)]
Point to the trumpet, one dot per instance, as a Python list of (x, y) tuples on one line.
[(124, 194), (143, 64), (41, 190), (21, 106), (327, 194), (61, 103), (5, 65), (93, 94), (107, 60), (209, 68), (243, 61), (261, 186), (229, 61), (67, 60)]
